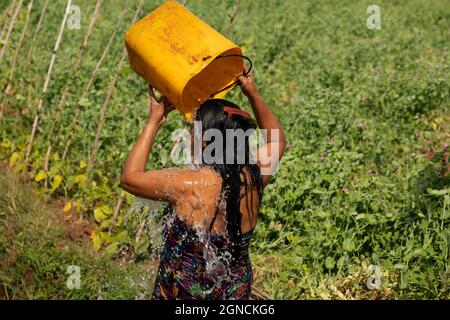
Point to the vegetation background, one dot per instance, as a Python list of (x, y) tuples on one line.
[(364, 184)]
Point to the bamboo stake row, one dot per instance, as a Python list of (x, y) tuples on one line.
[(94, 149), (75, 68), (16, 56), (92, 79), (116, 211), (19, 47), (7, 29), (47, 80)]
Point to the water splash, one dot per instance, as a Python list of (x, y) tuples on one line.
[(144, 220), (151, 222)]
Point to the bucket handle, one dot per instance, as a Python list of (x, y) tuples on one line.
[(237, 81)]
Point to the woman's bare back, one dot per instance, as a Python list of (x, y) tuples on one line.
[(198, 201)]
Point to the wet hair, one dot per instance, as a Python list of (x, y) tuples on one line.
[(234, 175)]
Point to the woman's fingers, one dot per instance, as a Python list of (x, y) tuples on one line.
[(151, 92), (169, 109), (243, 76), (245, 68), (168, 106), (166, 101), (243, 80), (162, 99)]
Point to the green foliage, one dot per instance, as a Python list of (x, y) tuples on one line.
[(359, 108), (35, 253)]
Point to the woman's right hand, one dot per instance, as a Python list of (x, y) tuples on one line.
[(159, 109), (248, 83)]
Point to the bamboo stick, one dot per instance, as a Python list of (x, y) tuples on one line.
[(7, 14), (93, 152), (80, 56), (11, 26), (36, 31), (19, 46), (94, 18), (47, 80), (139, 231), (76, 66), (88, 33), (16, 56), (47, 156), (92, 79), (116, 211), (236, 6)]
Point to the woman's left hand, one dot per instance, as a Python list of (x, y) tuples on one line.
[(159, 109)]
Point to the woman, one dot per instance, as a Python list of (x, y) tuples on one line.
[(212, 209)]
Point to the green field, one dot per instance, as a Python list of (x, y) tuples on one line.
[(363, 186)]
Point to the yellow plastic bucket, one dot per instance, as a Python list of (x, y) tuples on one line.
[(181, 56)]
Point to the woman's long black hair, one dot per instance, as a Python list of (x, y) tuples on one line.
[(212, 116)]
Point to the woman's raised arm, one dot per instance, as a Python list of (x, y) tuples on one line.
[(275, 144), (153, 184)]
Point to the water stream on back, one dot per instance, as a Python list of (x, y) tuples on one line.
[(153, 219)]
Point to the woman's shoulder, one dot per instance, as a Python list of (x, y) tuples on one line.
[(189, 180), (197, 192), (202, 174)]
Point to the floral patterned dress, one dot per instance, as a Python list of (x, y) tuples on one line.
[(197, 266)]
